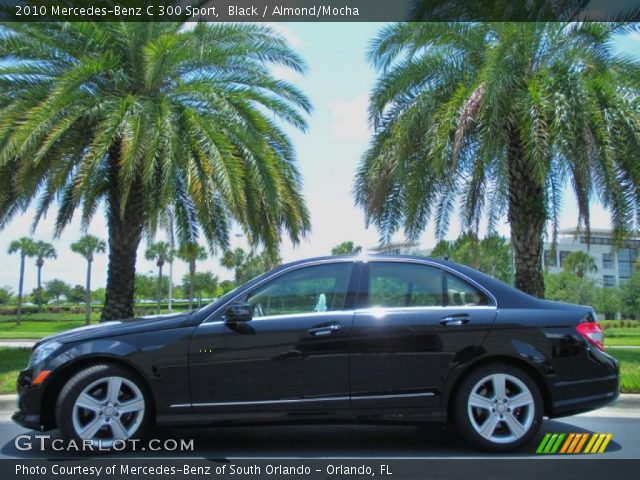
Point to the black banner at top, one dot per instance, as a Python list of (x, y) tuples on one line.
[(318, 10)]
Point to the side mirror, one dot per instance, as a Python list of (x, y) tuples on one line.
[(239, 312)]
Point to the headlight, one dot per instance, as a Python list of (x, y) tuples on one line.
[(43, 351)]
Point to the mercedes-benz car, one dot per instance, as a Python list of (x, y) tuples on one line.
[(361, 339)]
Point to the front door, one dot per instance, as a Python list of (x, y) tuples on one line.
[(415, 321), (292, 355)]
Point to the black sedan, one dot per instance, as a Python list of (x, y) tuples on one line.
[(334, 339)]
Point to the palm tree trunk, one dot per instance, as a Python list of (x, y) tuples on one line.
[(39, 265), (159, 289), (192, 281), (125, 233), (172, 247), (87, 314), (527, 218), (20, 286), (170, 293)]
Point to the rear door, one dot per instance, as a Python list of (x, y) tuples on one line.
[(412, 324)]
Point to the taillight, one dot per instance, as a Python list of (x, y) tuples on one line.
[(593, 333)]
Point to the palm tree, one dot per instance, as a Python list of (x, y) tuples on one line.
[(579, 263), (88, 246), (496, 118), (26, 247), (141, 117), (191, 253), (346, 248), (42, 250), (249, 265), (160, 252)]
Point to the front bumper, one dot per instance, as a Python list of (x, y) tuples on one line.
[(29, 407)]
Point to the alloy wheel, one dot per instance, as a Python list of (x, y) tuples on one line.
[(501, 408), (109, 409)]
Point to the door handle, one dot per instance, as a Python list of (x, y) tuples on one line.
[(455, 320), (324, 330)]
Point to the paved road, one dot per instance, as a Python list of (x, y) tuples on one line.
[(356, 441)]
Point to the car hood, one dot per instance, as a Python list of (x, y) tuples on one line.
[(120, 327)]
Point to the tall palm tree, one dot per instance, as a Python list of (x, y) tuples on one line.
[(42, 250), (88, 246), (26, 248), (160, 252), (496, 118), (141, 117), (191, 253)]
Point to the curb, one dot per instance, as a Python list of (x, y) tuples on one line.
[(8, 402), (626, 401), (17, 343)]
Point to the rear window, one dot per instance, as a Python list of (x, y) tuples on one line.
[(461, 293), (404, 285)]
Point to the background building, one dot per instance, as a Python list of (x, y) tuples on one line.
[(614, 267)]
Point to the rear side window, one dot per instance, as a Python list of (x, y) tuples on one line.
[(462, 294), (404, 285)]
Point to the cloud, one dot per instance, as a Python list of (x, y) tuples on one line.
[(287, 34), (349, 118), (284, 73)]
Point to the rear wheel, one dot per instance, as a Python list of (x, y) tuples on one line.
[(498, 407), (103, 404)]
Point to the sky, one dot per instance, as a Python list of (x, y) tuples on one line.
[(337, 82)]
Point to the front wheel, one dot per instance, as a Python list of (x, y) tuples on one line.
[(103, 404), (498, 408)]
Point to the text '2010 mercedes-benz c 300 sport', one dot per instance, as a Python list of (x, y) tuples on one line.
[(335, 339)]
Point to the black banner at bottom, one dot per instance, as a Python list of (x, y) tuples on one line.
[(316, 469)]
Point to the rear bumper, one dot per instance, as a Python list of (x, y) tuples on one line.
[(564, 408), (578, 396)]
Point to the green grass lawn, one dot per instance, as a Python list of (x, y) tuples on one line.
[(36, 329), (629, 368), (622, 336), (12, 360), (38, 325)]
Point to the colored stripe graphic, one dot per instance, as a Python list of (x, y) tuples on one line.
[(594, 437), (550, 443), (544, 441), (582, 442), (568, 442), (556, 445), (606, 441), (576, 440), (573, 443)]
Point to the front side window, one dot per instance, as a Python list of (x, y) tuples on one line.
[(462, 294), (404, 285), (320, 288)]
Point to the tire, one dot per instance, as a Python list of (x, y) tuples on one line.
[(494, 421), (102, 404)]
